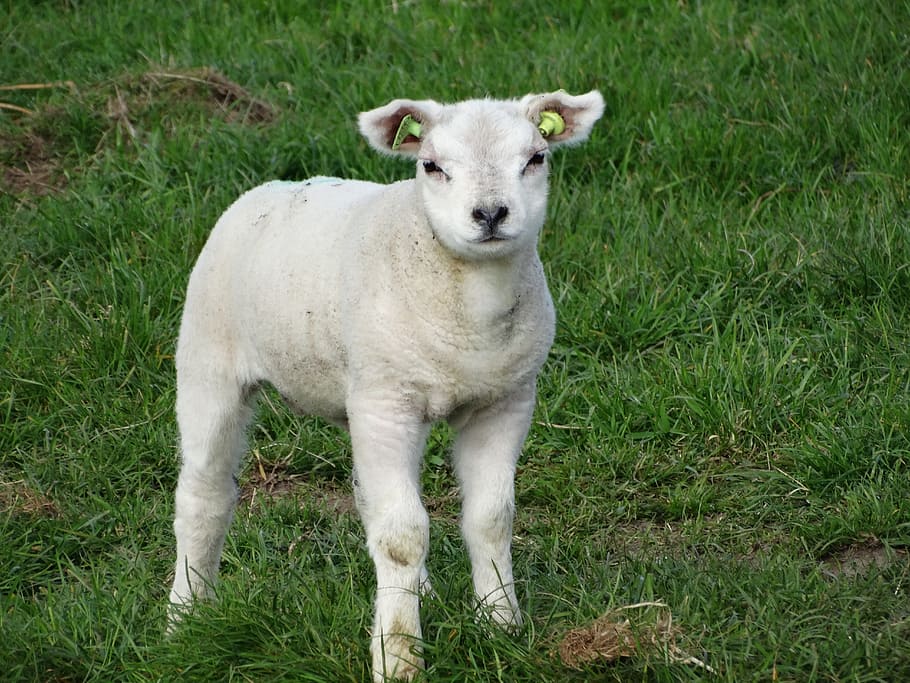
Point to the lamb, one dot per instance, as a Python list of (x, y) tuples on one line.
[(383, 308)]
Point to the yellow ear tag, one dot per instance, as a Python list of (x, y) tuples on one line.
[(408, 126), (551, 123)]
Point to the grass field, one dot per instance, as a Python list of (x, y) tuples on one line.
[(724, 421)]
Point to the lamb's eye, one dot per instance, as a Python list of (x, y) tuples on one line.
[(535, 160), (431, 167)]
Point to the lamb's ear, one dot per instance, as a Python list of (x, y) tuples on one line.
[(397, 128), (575, 115)]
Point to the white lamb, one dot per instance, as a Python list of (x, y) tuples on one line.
[(383, 308)]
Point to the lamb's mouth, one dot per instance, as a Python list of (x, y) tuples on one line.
[(492, 238)]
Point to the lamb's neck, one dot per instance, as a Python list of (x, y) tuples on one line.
[(456, 293), (492, 289)]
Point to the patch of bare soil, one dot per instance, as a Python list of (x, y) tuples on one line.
[(28, 158), (446, 506), (272, 480), (166, 97), (35, 171), (268, 479), (859, 559), (33, 162), (203, 85), (615, 635), (265, 480), (645, 538), (18, 498)]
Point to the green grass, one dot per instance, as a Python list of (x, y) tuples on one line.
[(723, 422)]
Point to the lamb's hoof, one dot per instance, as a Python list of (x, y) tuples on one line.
[(499, 618), (397, 660), (176, 612)]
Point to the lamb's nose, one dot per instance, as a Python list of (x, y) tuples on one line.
[(490, 218)]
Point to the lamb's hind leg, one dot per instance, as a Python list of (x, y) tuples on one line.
[(212, 415), (485, 453)]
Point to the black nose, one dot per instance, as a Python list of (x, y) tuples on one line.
[(490, 218)]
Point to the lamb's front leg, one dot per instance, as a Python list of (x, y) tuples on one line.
[(388, 450), (485, 454)]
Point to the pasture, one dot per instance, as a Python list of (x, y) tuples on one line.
[(717, 481)]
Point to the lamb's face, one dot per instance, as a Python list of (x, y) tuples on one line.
[(482, 164), (482, 175)]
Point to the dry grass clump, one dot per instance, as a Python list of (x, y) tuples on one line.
[(614, 635)]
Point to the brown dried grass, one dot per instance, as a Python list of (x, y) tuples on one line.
[(614, 635)]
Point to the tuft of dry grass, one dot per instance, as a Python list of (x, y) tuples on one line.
[(21, 87), (613, 636)]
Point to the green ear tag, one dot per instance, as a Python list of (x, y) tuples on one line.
[(408, 126), (551, 123)]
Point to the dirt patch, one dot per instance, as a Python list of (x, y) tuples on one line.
[(630, 631), (268, 480), (19, 498), (34, 166), (169, 97), (647, 538), (264, 480), (274, 480), (446, 506), (336, 500), (860, 559), (39, 144), (201, 85)]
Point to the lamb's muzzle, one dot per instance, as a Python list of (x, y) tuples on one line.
[(383, 308), (490, 217)]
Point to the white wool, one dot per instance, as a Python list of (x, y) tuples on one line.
[(383, 308)]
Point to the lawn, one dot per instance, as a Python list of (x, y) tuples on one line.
[(717, 482)]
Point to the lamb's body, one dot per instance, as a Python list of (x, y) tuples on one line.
[(383, 308), (442, 334)]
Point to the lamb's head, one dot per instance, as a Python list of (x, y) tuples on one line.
[(482, 164)]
